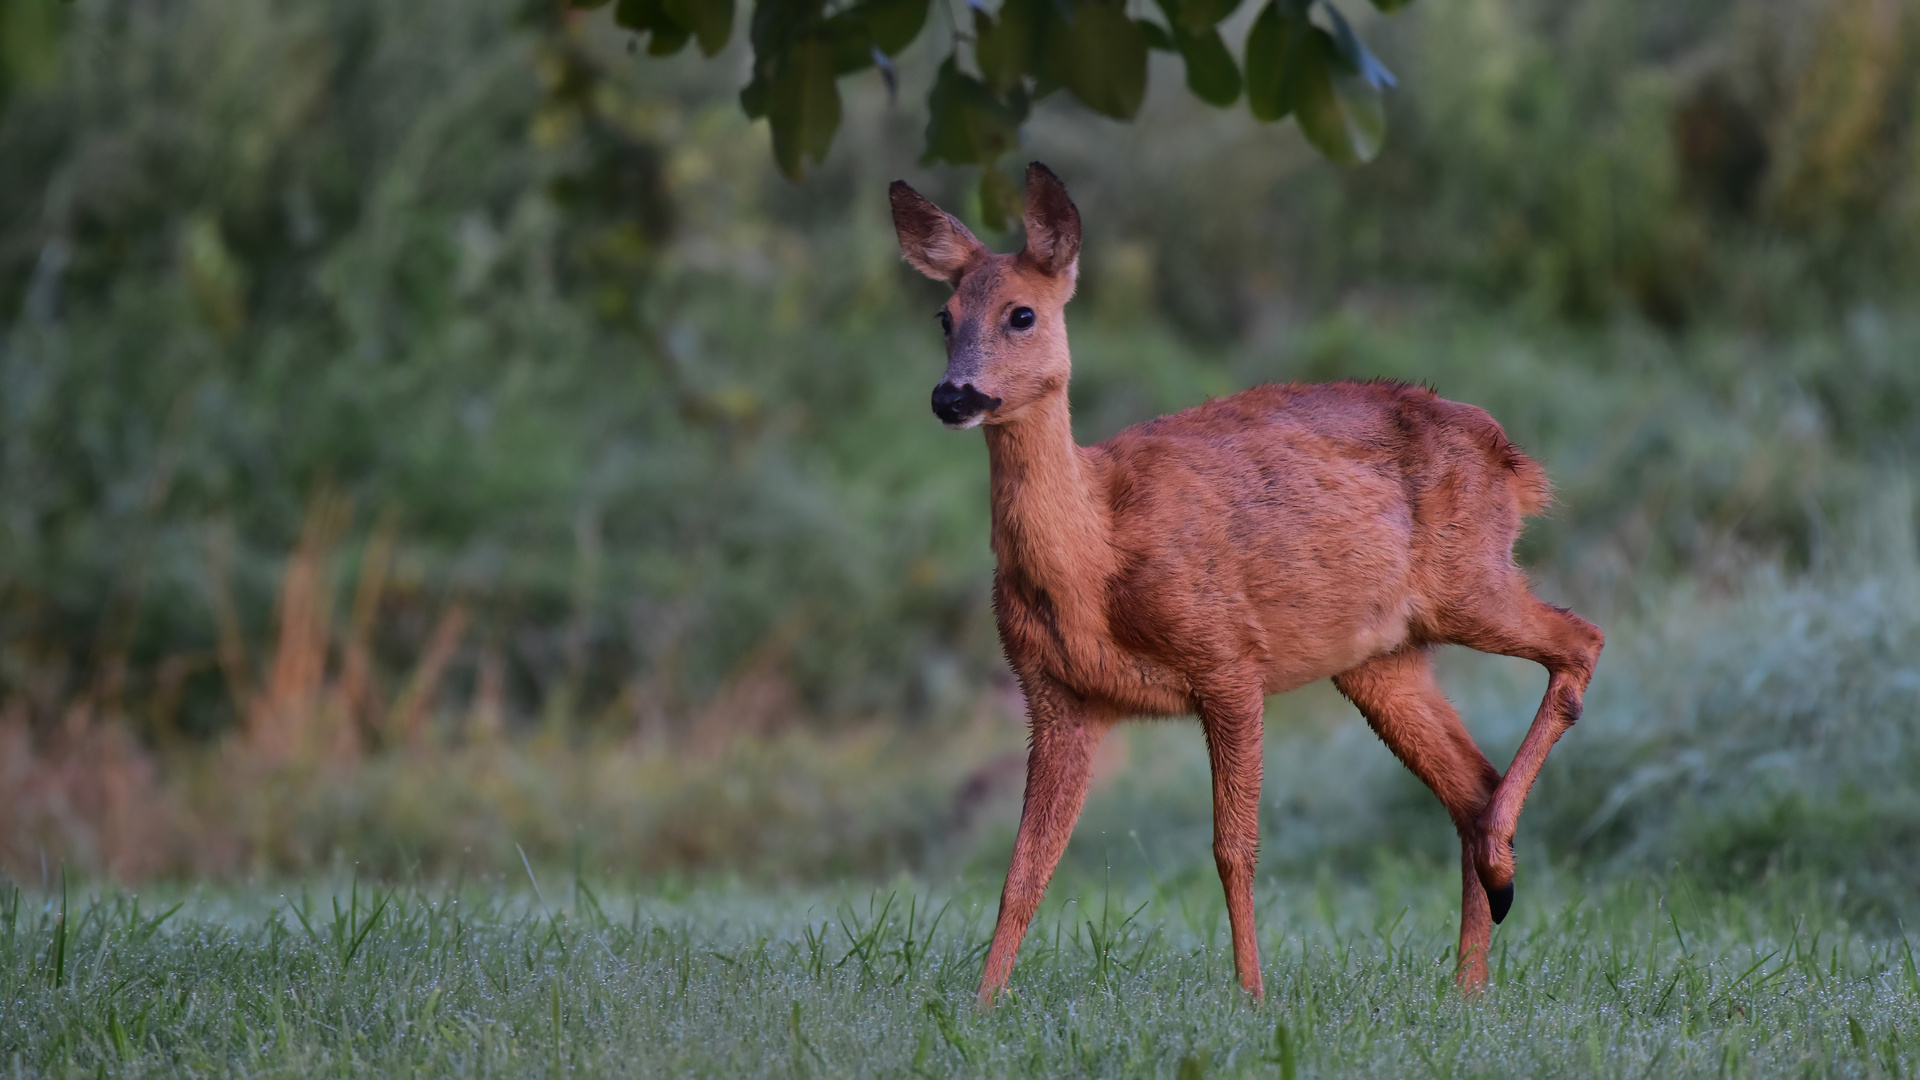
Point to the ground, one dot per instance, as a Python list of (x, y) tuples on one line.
[(1634, 978)]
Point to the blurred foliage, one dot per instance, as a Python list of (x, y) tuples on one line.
[(399, 365), (1765, 734), (29, 45)]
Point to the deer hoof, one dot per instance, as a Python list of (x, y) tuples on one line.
[(1500, 901)]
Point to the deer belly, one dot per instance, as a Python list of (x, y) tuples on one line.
[(1303, 652)]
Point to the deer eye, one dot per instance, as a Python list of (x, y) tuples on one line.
[(1021, 319), (946, 321)]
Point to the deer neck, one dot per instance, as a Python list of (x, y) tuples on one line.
[(1050, 527)]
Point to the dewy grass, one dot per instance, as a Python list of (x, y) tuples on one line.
[(1639, 978)]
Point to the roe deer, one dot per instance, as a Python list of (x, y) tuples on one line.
[(1196, 563)]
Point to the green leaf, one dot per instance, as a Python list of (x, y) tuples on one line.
[(667, 40), (1157, 36), (753, 97), (1355, 51), (667, 34), (1211, 73), (1196, 17), (893, 24), (711, 21), (1388, 7), (1102, 58), (850, 42), (803, 105), (1341, 113), (1275, 46), (777, 25), (967, 123), (1003, 47)]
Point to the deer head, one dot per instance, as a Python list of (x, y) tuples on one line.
[(1005, 325)]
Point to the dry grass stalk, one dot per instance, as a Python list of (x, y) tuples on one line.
[(414, 710), (489, 717), (298, 710), (230, 650), (355, 694), (279, 721), (755, 700), (87, 794)]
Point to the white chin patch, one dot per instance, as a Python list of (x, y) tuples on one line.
[(970, 422)]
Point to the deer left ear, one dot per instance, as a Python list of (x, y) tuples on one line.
[(933, 241), (1053, 224)]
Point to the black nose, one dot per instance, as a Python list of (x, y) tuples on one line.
[(958, 404)]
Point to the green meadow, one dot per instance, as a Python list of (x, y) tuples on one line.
[(1657, 975)]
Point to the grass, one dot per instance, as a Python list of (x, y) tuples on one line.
[(1636, 977)]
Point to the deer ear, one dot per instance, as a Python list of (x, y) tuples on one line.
[(1053, 223), (934, 241)]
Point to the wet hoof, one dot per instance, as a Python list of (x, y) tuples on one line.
[(1500, 901)]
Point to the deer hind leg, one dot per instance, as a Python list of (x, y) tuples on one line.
[(1059, 768), (1233, 728), (1404, 706), (1511, 621)]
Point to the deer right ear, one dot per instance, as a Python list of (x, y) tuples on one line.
[(1053, 224), (934, 241)]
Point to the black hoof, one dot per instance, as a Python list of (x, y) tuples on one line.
[(1500, 901)]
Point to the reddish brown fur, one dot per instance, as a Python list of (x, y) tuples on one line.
[(1195, 563)]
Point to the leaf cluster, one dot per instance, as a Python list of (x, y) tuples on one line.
[(1315, 69)]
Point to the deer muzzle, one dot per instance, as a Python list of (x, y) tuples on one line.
[(961, 406)]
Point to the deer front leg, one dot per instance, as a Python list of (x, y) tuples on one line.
[(1059, 767), (1233, 727)]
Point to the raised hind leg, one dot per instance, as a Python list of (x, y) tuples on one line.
[(1059, 769), (1511, 621), (1405, 707)]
